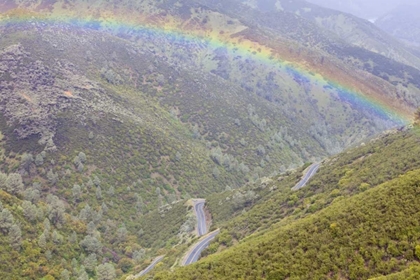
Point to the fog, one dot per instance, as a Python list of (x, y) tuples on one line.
[(368, 9)]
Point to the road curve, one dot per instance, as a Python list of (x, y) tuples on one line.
[(150, 267), (194, 253), (201, 217), (311, 172)]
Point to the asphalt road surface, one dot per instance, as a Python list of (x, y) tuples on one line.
[(311, 172), (201, 218), (194, 254), (150, 267)]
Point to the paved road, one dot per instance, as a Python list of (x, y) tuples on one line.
[(201, 218), (194, 254), (150, 267), (311, 172)]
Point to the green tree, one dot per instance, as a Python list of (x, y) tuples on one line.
[(29, 211), (122, 234), (52, 177), (15, 236), (56, 210), (26, 161), (417, 251), (14, 183), (91, 244), (90, 262), (77, 192), (6, 220), (105, 272), (42, 241), (39, 160), (82, 157), (65, 275), (3, 181), (82, 274)]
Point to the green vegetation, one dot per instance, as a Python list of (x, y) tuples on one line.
[(107, 133), (372, 233)]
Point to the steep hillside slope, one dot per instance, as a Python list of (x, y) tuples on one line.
[(370, 10), (402, 22), (351, 29), (113, 116), (370, 234), (270, 203)]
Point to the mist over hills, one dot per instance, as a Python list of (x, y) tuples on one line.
[(403, 22), (370, 9), (115, 114)]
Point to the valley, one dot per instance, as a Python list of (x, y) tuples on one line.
[(295, 125)]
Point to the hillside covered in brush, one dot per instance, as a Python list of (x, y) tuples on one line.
[(113, 115), (357, 219)]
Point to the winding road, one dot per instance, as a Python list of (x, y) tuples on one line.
[(311, 172), (201, 218), (194, 253), (150, 267)]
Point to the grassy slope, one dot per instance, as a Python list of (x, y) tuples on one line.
[(270, 203), (369, 234)]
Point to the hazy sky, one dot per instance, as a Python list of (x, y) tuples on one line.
[(369, 9)]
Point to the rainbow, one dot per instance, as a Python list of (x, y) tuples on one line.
[(175, 31)]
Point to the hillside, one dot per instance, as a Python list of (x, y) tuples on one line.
[(403, 23), (326, 243), (369, 10), (350, 29), (113, 116)]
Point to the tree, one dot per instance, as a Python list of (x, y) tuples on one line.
[(122, 234), (56, 209), (32, 195), (105, 272), (65, 275), (91, 244), (3, 181), (216, 172), (39, 160), (57, 238), (6, 220), (104, 208), (90, 262), (125, 264), (138, 255), (82, 274), (91, 227), (42, 241), (77, 191), (96, 181), (14, 183), (139, 204), (26, 161), (15, 237), (52, 177), (98, 193), (29, 211), (82, 157), (73, 238), (47, 224)]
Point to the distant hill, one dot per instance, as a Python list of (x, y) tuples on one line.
[(402, 22), (369, 10)]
